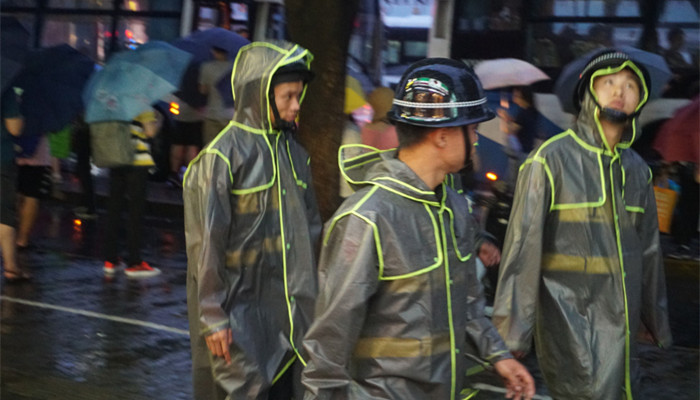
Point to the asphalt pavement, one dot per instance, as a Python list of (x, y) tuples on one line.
[(71, 333)]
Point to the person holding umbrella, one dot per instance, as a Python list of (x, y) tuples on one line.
[(251, 225), (582, 265), (217, 115)]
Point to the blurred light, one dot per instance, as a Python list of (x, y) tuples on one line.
[(175, 108), (128, 34), (491, 176), (133, 6)]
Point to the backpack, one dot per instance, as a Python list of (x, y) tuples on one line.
[(111, 144)]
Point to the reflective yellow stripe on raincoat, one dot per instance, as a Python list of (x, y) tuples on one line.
[(582, 263), (398, 292), (251, 224)]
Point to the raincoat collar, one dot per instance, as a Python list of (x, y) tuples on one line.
[(252, 73), (590, 132), (382, 168)]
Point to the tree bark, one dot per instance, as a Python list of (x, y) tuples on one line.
[(323, 27)]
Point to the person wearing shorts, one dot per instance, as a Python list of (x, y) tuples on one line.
[(33, 185)]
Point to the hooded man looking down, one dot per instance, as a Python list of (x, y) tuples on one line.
[(581, 265), (251, 225)]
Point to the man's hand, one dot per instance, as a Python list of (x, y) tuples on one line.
[(489, 254), (219, 343), (517, 380)]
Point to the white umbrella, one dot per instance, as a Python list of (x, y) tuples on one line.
[(503, 72)]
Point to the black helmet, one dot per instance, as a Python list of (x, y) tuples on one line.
[(296, 71), (439, 92), (606, 62)]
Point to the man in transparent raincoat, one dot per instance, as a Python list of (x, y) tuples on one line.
[(581, 262), (251, 225), (398, 294)]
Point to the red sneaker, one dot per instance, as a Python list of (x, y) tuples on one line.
[(142, 270), (111, 268)]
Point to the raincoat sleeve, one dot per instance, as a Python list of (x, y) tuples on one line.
[(519, 276), (313, 216), (654, 308), (209, 220), (348, 277), (482, 337)]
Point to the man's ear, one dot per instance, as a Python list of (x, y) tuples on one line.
[(439, 137)]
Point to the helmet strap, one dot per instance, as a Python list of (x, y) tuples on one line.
[(612, 115), (468, 149)]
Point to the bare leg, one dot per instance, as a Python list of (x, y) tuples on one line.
[(7, 244), (28, 212)]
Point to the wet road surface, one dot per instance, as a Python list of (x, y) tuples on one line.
[(71, 333)]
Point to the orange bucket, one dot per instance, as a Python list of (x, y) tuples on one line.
[(665, 203)]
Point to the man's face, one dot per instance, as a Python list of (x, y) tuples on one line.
[(619, 91), (287, 97)]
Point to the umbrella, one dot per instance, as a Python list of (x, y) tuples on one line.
[(678, 138), (133, 80), (14, 45), (656, 66), (354, 95), (52, 82), (503, 72), (199, 44)]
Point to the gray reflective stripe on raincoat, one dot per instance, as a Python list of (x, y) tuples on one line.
[(251, 225), (582, 262), (398, 293)]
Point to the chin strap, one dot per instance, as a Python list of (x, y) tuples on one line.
[(612, 114), (468, 164)]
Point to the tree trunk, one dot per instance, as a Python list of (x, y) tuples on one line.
[(323, 27)]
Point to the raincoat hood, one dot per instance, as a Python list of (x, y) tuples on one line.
[(251, 78), (373, 167)]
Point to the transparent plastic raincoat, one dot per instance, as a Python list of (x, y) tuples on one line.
[(399, 298), (251, 225), (582, 262)]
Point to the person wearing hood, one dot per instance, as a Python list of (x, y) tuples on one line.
[(582, 265), (399, 301), (251, 226)]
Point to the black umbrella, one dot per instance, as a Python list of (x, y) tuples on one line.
[(52, 81), (199, 44), (656, 66), (14, 45)]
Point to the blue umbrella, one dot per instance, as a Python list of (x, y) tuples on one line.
[(656, 66), (133, 80), (14, 45), (199, 44), (52, 82)]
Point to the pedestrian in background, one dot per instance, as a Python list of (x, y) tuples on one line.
[(87, 208), (216, 115), (186, 140), (582, 265), (251, 225), (399, 299), (34, 183), (12, 125), (380, 133), (128, 186)]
